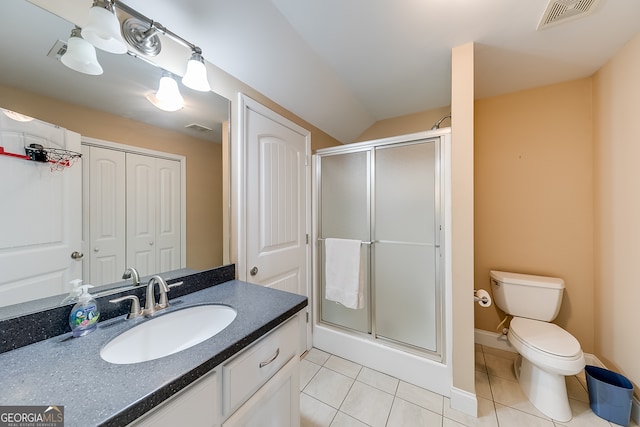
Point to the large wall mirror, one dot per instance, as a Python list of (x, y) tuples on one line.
[(112, 107)]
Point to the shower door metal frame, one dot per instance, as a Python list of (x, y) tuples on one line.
[(436, 137), (438, 227)]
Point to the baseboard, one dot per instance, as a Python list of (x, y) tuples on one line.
[(463, 401), (492, 339), (499, 341)]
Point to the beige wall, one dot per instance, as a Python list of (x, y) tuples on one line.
[(204, 162), (534, 196), (411, 123), (616, 89), (462, 199)]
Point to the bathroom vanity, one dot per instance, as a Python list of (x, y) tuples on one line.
[(245, 375)]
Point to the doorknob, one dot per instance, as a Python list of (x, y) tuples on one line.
[(253, 271), (76, 255)]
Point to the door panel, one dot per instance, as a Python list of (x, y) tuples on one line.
[(345, 214), (276, 204), (277, 200), (141, 213), (37, 239), (405, 253), (107, 231), (168, 220)]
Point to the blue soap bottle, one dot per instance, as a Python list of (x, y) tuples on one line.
[(85, 314)]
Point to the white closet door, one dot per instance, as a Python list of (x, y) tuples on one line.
[(153, 214), (141, 213), (107, 231), (168, 218)]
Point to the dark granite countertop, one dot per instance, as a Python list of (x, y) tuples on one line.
[(69, 371)]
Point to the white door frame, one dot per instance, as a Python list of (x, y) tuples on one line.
[(239, 187)]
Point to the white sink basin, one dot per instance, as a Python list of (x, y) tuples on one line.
[(167, 334)]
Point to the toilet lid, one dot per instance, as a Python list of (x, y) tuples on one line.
[(544, 336)]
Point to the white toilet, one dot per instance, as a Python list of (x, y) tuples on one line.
[(547, 352)]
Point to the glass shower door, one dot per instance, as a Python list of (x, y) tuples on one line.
[(406, 249), (345, 214)]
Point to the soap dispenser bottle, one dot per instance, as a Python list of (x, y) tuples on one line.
[(85, 314), (74, 293)]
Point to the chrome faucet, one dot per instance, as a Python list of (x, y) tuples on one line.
[(150, 306), (132, 273)]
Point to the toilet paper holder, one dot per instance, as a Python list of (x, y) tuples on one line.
[(482, 297)]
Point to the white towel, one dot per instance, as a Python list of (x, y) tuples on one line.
[(343, 278)]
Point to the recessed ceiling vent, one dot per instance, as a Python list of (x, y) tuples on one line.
[(199, 128), (559, 11)]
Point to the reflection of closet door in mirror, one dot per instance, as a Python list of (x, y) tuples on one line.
[(153, 214), (406, 248), (345, 214), (106, 206)]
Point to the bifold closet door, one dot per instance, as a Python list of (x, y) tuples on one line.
[(406, 246), (153, 214), (107, 214), (345, 214)]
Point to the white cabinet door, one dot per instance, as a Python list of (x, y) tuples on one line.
[(195, 406), (276, 404), (106, 205)]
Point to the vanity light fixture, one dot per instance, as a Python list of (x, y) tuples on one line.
[(80, 55), (168, 96), (196, 75), (143, 37), (103, 28), (16, 116)]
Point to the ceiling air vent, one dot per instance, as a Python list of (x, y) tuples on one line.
[(199, 128), (559, 11)]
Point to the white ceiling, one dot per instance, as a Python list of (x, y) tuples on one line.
[(342, 65)]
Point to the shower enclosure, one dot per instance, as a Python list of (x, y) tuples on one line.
[(390, 194)]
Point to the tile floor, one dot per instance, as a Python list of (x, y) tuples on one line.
[(335, 392)]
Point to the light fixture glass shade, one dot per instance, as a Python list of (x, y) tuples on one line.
[(103, 28), (168, 96), (16, 116), (196, 75), (81, 55)]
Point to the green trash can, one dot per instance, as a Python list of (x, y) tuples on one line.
[(610, 394)]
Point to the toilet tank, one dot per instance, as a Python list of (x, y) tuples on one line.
[(524, 295)]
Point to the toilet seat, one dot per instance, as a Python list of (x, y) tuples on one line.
[(546, 345)]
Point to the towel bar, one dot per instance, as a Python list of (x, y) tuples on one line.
[(364, 243)]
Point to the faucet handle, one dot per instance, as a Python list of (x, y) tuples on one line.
[(173, 285), (135, 310)]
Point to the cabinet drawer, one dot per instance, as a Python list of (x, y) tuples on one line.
[(242, 376)]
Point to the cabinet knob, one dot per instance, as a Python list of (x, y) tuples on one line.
[(253, 271), (96, 249), (76, 255)]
